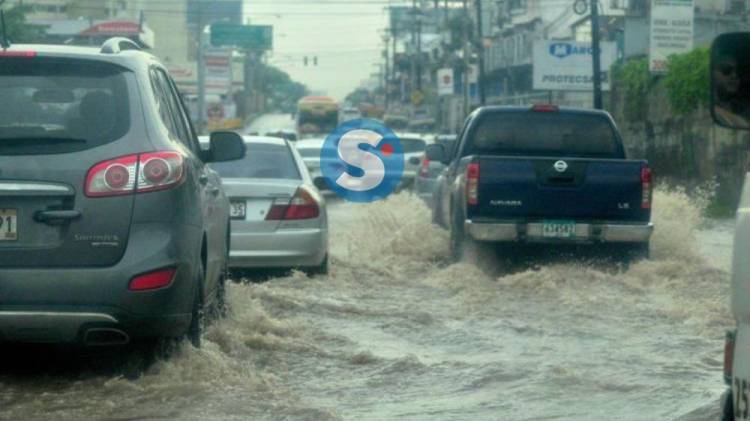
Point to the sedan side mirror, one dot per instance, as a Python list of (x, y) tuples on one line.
[(730, 80), (226, 146), (437, 153)]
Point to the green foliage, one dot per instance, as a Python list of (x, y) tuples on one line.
[(17, 29), (635, 80), (688, 80), (282, 92)]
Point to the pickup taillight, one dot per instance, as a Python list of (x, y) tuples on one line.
[(729, 356), (646, 187), (472, 184)]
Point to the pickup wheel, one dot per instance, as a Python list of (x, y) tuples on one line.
[(463, 247), (633, 253)]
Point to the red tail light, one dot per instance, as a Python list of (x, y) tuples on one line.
[(153, 280), (24, 54), (425, 170), (472, 184), (155, 171), (729, 356), (647, 187), (545, 108), (302, 206)]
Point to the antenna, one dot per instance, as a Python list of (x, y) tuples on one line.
[(4, 39)]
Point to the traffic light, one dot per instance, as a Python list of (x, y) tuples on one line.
[(306, 60), (315, 61)]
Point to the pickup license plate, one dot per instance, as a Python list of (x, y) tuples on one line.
[(238, 210), (8, 225), (559, 229)]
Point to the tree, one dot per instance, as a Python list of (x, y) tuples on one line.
[(18, 30)]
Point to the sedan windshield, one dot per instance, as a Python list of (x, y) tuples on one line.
[(261, 161)]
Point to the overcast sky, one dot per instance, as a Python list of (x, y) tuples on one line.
[(345, 35)]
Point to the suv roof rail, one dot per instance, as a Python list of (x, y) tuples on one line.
[(119, 44)]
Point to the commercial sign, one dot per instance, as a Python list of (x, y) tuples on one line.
[(671, 31), (218, 65), (568, 65), (445, 81)]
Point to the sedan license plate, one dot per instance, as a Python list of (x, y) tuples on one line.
[(8, 225), (559, 229), (238, 210)]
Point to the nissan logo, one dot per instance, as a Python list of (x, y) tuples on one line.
[(561, 166)]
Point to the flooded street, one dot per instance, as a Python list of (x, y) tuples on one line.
[(396, 332)]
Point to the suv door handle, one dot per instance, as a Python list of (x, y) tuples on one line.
[(203, 179), (56, 216)]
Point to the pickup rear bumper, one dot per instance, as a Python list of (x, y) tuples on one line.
[(534, 232)]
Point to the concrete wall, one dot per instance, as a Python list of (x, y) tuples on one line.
[(688, 149)]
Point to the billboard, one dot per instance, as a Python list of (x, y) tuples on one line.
[(568, 65), (671, 31), (445, 81), (218, 65), (210, 11)]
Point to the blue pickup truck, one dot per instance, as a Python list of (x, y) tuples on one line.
[(543, 174)]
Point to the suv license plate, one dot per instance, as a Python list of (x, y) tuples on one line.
[(559, 229), (238, 210), (8, 225)]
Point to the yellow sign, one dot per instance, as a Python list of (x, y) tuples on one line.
[(417, 97)]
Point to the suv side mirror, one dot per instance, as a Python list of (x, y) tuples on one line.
[(226, 146), (437, 153), (730, 80)]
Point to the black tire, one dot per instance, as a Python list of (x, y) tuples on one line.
[(634, 253), (198, 315), (462, 246), (321, 269), (727, 408)]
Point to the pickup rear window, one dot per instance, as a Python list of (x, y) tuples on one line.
[(556, 134), (55, 106)]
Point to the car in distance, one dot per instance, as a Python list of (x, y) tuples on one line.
[(543, 174), (426, 182), (113, 231), (310, 151), (279, 218)]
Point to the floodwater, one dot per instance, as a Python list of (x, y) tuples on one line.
[(395, 331)]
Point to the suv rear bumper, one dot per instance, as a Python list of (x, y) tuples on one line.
[(584, 232), (57, 305)]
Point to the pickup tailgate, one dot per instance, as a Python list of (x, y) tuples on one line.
[(536, 188)]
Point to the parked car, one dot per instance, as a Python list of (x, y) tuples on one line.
[(113, 228), (425, 182), (279, 218), (543, 174)]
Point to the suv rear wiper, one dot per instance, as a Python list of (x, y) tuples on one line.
[(34, 140)]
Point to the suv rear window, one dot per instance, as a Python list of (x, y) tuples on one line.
[(53, 106), (261, 161), (557, 134)]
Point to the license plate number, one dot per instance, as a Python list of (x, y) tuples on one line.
[(559, 229), (238, 210), (8, 225)]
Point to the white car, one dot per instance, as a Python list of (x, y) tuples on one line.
[(309, 150)]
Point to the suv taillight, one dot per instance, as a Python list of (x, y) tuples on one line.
[(647, 187), (302, 206), (472, 184), (729, 356), (425, 170), (142, 173)]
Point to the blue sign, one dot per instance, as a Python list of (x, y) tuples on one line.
[(362, 161)]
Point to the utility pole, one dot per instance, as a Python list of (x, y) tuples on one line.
[(419, 53), (597, 54), (413, 45), (465, 73), (201, 75), (480, 53)]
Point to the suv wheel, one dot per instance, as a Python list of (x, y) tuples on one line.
[(198, 319), (322, 269)]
